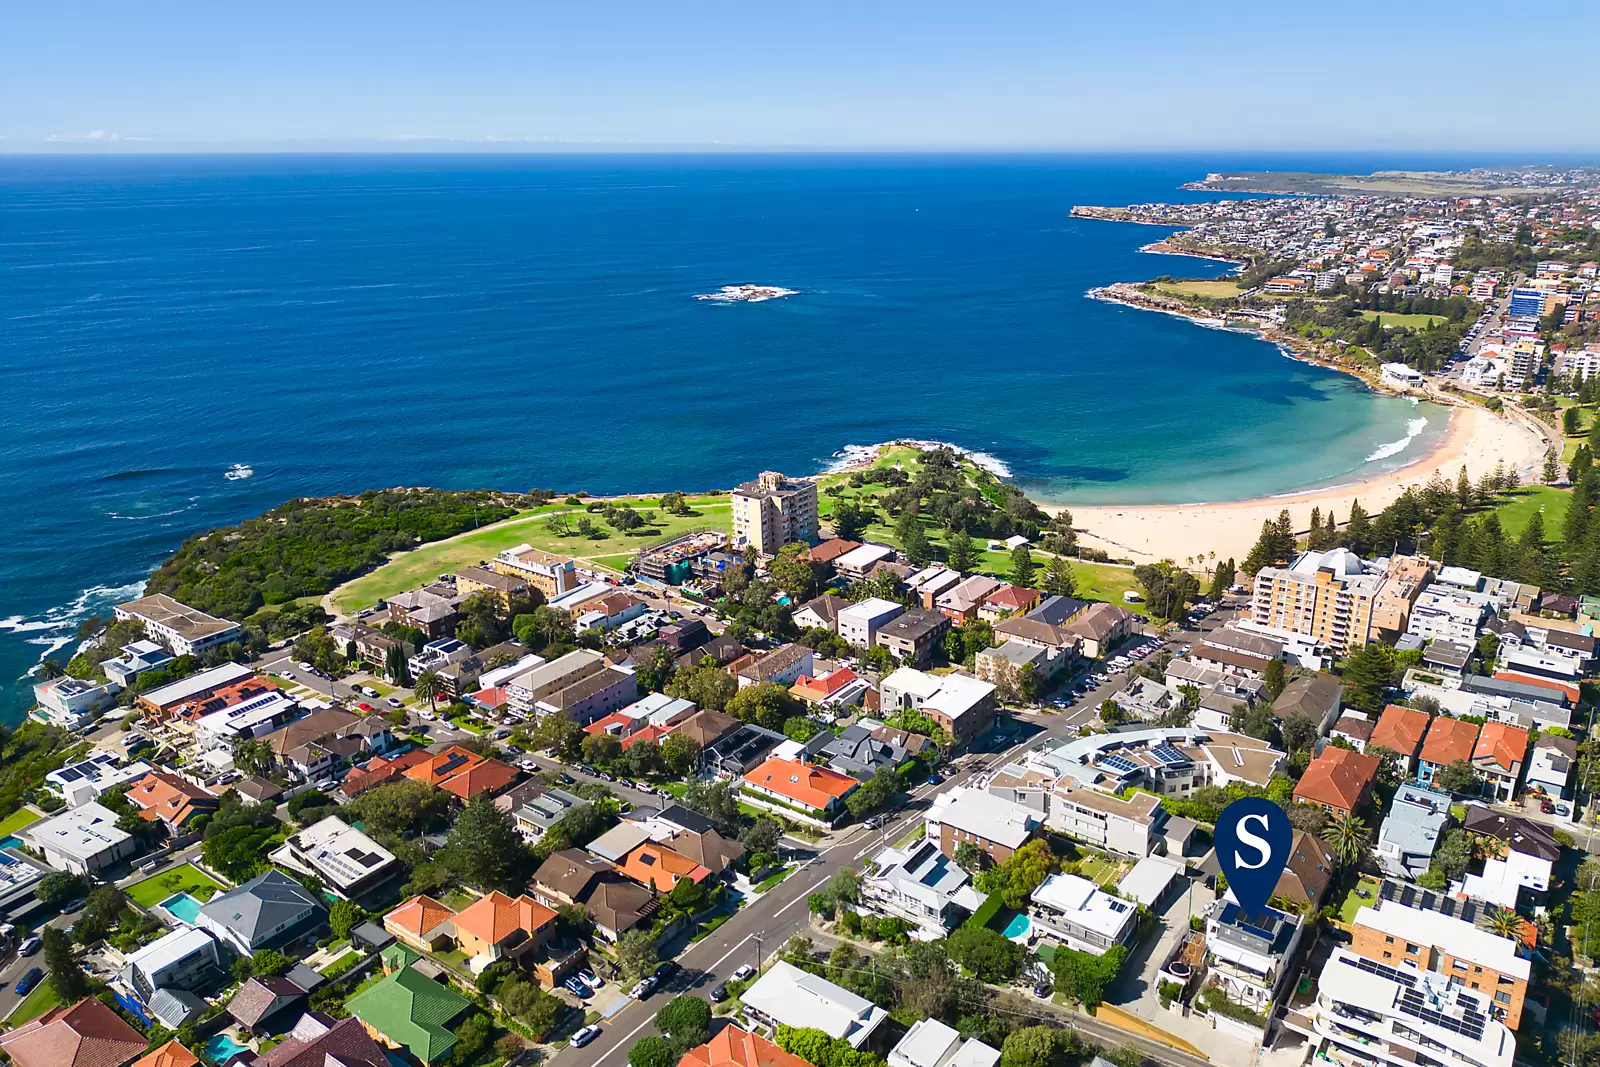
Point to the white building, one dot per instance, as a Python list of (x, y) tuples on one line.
[(1447, 614), (136, 659), (1249, 954), (256, 717), (82, 841), (923, 885), (858, 624), (346, 860), (786, 995), (184, 630), (93, 776), (1400, 375), (438, 654), (1080, 915), (930, 1043), (72, 703)]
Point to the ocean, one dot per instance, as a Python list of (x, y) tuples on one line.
[(187, 341)]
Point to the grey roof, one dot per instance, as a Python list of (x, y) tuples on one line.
[(260, 905), (1506, 687), (1015, 653), (1315, 695), (858, 753), (912, 624), (305, 977), (1447, 652), (1414, 826), (1056, 610), (174, 1007)]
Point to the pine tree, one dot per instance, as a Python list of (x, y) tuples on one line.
[(484, 848), (1491, 554), (1059, 579), (1533, 566), (1575, 527), (913, 540), (66, 973), (961, 553), (1368, 674), (1314, 536), (1358, 531), (1022, 565), (1463, 488)]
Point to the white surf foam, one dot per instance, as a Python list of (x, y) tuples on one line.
[(1394, 448)]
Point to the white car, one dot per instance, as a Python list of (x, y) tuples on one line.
[(306, 667), (426, 716), (743, 972), (394, 702), (584, 1036)]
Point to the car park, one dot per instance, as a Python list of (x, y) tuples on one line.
[(26, 983), (585, 1035)]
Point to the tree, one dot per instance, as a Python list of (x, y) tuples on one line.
[(1222, 578), (1032, 1046), (403, 807), (1059, 579), (1274, 677), (530, 1005), (58, 887), (1022, 566), (1346, 835), (717, 801), (1504, 922), (1168, 589), (343, 916), (913, 540), (484, 849), (1368, 675), (1083, 976), (1276, 545), (680, 755), (429, 687), (969, 857), (708, 685), (1459, 777), (636, 954), (961, 552), (795, 573), (762, 835), (851, 519), (765, 704), (1454, 853), (988, 954), (652, 1051), (66, 973), (686, 1020), (1299, 733)]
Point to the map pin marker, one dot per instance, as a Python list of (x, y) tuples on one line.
[(1253, 839)]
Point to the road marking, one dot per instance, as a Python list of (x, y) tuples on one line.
[(747, 939), (798, 899)]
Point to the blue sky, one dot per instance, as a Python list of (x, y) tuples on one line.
[(1028, 74)]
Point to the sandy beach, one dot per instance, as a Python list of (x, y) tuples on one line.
[(1475, 437)]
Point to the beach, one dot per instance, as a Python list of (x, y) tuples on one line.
[(1475, 438)]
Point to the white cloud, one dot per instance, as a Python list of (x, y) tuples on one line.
[(92, 135), (415, 137)]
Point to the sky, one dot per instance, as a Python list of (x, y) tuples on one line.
[(183, 75)]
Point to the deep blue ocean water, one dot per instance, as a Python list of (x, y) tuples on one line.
[(342, 323)]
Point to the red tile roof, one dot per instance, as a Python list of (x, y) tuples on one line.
[(1338, 777), (379, 770), (804, 783), (167, 797), (826, 686), (171, 1054), (495, 917), (1449, 740), (656, 865), (733, 1047), (490, 776), (1501, 745), (1401, 729), (419, 916), (87, 1034), (1571, 692)]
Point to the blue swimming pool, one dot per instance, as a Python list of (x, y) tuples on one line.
[(182, 907), (222, 1048), (1018, 927), (10, 842)]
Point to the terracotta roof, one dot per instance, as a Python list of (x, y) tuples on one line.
[(1401, 729), (312, 1043), (495, 917), (444, 765), (658, 866), (419, 916), (1338, 777), (832, 549), (159, 795), (1571, 692), (489, 776), (1012, 598), (261, 997), (377, 771), (1449, 740), (733, 1047), (87, 1034), (827, 685), (804, 783), (1502, 745), (171, 1054)]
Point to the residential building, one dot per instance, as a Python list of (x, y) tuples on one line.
[(1412, 830), (782, 666), (158, 705), (787, 996), (1075, 912), (1498, 757), (930, 1043), (86, 1034), (261, 1002), (859, 752), (798, 791), (1463, 953), (1314, 695), (409, 1010), (1528, 848), (964, 706), (316, 1042), (734, 1047), (185, 631), (1099, 627), (840, 688), (922, 884), (184, 960), (1008, 601), (610, 612), (1310, 868), (98, 773), (552, 575), (1355, 728), (1338, 781), (499, 927), (960, 603), (1150, 879), (774, 511), (525, 690), (83, 840), (860, 622), (1132, 825), (1337, 599), (1447, 658), (1401, 730), (967, 815), (1448, 741), (863, 560), (503, 586), (71, 703), (821, 613), (423, 923), (264, 912), (1449, 614), (929, 583), (172, 1054), (438, 654), (348, 862), (140, 657), (170, 800), (913, 636), (595, 695), (1249, 955), (613, 903), (1551, 764), (536, 815), (1367, 1012)]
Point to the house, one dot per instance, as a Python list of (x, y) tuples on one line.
[(423, 923), (381, 769), (736, 753), (592, 696), (1396, 935), (84, 840), (1448, 741), (659, 867), (254, 790), (456, 770), (409, 1010), (1007, 601), (706, 728), (1412, 830), (496, 927), (157, 705), (961, 704), (1078, 914), (798, 791), (72, 703), (1354, 727), (1338, 781), (609, 612), (1314, 695), (930, 1043), (87, 1034), (613, 903), (968, 815), (1447, 658), (783, 666), (1249, 955), (347, 862), (1134, 824), (1551, 765), (169, 800), (734, 1047), (185, 631), (92, 777), (913, 636), (1401, 730), (434, 613), (137, 658), (184, 960), (694, 837), (856, 751), (923, 885), (371, 645), (821, 613), (172, 1054), (1528, 848), (787, 996), (859, 623), (1498, 756), (317, 1041), (862, 560), (265, 912), (537, 813), (838, 689), (960, 603), (1100, 628), (1310, 868), (263, 1000)]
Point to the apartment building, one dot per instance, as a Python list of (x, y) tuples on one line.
[(1248, 955), (1336, 599), (913, 635), (1465, 954), (185, 631), (861, 622), (970, 816), (774, 511), (552, 575), (525, 690), (962, 705), (1443, 613)]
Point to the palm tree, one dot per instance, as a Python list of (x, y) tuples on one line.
[(1502, 922), (428, 687), (1347, 836), (50, 668)]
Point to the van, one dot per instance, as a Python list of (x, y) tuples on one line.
[(149, 866)]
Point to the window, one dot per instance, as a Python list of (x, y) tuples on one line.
[(1388, 941), (1411, 949), (1388, 955), (1458, 965), (1502, 997)]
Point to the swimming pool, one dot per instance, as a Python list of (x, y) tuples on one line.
[(1018, 927), (182, 907), (11, 842), (222, 1048)]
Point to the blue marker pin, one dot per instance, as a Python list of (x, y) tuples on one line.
[(1253, 840)]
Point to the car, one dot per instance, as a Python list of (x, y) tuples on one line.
[(719, 993), (426, 716), (1562, 809), (1042, 990), (394, 702), (578, 989), (566, 779), (644, 987), (874, 822), (585, 1035), (26, 983), (308, 668), (666, 970), (73, 906), (29, 946), (745, 971), (1546, 807), (592, 980), (364, 706), (934, 779), (371, 692)]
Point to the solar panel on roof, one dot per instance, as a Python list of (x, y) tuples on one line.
[(1470, 1024), (1119, 765), (1169, 755)]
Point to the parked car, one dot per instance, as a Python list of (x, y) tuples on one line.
[(29, 946), (590, 979), (371, 692), (1546, 807), (666, 970), (719, 992), (584, 1036), (426, 716), (364, 706), (935, 779), (644, 987), (26, 983), (744, 972), (308, 668), (1042, 990), (73, 906), (394, 702), (578, 989)]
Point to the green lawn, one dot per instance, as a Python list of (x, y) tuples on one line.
[(1214, 290), (420, 565), (1393, 319), (1353, 900), (35, 1004), (17, 820), (774, 880), (186, 878), (1515, 513)]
